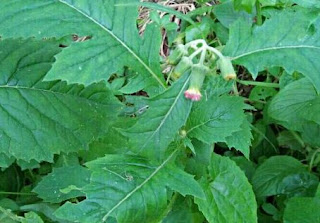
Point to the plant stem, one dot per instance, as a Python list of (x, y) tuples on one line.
[(298, 138), (259, 15), (256, 83), (312, 159), (235, 88), (170, 205)]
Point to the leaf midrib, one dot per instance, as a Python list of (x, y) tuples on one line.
[(140, 185), (119, 40), (167, 114), (274, 48), (49, 92)]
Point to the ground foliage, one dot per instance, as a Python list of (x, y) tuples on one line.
[(103, 119)]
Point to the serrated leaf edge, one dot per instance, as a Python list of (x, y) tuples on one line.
[(120, 41), (140, 185)]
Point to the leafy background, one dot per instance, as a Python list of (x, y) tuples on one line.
[(92, 129)]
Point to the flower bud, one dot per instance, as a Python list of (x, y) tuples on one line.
[(197, 77), (226, 68), (184, 65), (176, 54)]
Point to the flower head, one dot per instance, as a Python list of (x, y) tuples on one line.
[(193, 94)]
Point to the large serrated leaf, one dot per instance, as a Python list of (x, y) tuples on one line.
[(217, 119), (157, 127), (115, 39), (39, 119), (229, 196), (62, 184), (278, 43), (128, 189)]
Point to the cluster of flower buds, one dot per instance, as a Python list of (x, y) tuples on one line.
[(198, 57)]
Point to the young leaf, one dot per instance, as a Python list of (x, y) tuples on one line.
[(302, 210), (282, 175), (217, 119), (128, 189), (62, 184), (157, 127), (40, 119), (114, 43), (278, 43), (229, 196)]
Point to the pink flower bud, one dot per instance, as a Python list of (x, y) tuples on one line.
[(193, 94)]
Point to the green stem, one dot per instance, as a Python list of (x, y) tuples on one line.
[(261, 84), (312, 159), (235, 88), (298, 138), (259, 14), (170, 205)]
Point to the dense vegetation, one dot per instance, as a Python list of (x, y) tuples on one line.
[(175, 111)]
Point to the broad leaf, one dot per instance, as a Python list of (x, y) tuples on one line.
[(184, 211), (62, 184), (229, 196), (128, 189), (39, 119), (302, 210), (307, 3), (296, 104), (283, 175), (217, 119), (114, 43), (227, 15), (278, 43), (158, 126), (241, 139), (246, 5)]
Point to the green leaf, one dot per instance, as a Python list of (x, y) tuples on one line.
[(227, 15), (289, 140), (40, 119), (157, 127), (278, 43), (307, 3), (58, 186), (31, 217), (246, 5), (283, 175), (6, 161), (222, 117), (297, 103), (241, 139), (302, 210), (45, 209), (114, 42), (229, 196), (128, 189), (184, 211)]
